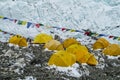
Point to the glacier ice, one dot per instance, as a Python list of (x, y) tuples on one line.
[(101, 16)]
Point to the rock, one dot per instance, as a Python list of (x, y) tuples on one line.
[(18, 63)]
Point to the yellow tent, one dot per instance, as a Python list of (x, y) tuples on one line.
[(81, 52), (54, 45), (42, 38), (18, 40), (67, 42), (112, 49), (23, 42), (92, 60), (101, 43), (62, 58), (84, 58)]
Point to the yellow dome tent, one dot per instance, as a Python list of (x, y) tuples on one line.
[(82, 54), (42, 38), (18, 40), (84, 58), (92, 60), (67, 42), (112, 49), (79, 51), (62, 58), (22, 42), (101, 43), (54, 45)]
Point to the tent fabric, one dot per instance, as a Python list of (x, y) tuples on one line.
[(62, 58), (101, 43), (18, 40), (67, 42), (84, 58), (14, 39), (79, 51), (42, 38), (82, 54), (23, 42), (112, 49), (92, 60), (54, 45)]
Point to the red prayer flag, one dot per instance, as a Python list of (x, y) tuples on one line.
[(15, 20), (111, 36), (37, 25), (63, 29), (87, 33)]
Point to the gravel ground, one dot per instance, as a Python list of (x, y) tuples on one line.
[(16, 63)]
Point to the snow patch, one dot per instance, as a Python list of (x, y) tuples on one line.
[(70, 71)]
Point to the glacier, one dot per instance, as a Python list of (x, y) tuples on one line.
[(101, 16)]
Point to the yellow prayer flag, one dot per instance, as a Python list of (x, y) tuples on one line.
[(118, 38), (96, 34), (24, 22), (47, 26), (1, 17), (72, 30)]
